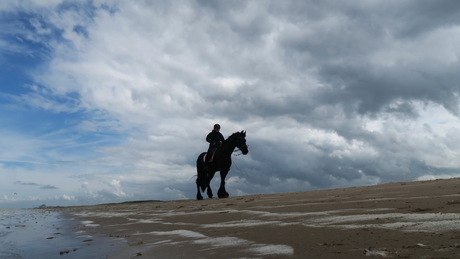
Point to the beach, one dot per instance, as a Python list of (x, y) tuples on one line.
[(394, 220)]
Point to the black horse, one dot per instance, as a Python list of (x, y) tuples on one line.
[(221, 162)]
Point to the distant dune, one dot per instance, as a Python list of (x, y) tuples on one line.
[(395, 220)]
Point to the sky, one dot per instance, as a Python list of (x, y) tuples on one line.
[(108, 100)]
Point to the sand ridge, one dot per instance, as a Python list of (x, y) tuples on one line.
[(395, 220)]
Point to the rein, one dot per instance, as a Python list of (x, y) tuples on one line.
[(239, 151), (237, 154)]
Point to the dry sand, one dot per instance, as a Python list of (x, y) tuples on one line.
[(395, 220)]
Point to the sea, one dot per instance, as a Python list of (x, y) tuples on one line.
[(41, 233)]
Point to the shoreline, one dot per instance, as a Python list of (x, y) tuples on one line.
[(44, 233), (398, 220)]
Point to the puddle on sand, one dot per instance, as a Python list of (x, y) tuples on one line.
[(30, 233)]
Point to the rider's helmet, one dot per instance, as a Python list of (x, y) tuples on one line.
[(217, 127)]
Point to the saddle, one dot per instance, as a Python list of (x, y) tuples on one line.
[(205, 160)]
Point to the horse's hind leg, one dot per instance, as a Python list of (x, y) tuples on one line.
[(209, 192), (210, 176), (198, 194), (201, 179)]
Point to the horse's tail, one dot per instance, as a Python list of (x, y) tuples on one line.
[(202, 176)]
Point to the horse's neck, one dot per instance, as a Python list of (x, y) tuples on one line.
[(228, 147)]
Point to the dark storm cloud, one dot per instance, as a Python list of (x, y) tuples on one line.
[(419, 17), (356, 87), (340, 53), (369, 61)]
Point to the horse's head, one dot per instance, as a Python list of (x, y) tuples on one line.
[(237, 140), (241, 142)]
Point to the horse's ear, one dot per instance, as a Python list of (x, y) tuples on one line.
[(243, 132)]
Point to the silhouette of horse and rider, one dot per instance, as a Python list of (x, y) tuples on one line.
[(218, 158)]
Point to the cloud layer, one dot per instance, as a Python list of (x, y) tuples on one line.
[(331, 94)]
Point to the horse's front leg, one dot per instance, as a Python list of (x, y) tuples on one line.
[(222, 193)]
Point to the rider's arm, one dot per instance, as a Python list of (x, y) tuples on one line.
[(209, 138)]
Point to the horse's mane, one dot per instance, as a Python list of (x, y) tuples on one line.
[(234, 135)]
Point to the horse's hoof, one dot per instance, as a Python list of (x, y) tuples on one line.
[(223, 195), (199, 198)]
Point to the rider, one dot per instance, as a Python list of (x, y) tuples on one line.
[(215, 140)]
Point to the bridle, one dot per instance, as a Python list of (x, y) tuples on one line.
[(239, 148)]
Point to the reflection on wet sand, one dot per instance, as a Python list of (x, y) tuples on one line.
[(38, 233)]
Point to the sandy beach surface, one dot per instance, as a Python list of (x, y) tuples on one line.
[(395, 220)]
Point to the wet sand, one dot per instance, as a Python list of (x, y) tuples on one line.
[(395, 220), (38, 233)]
